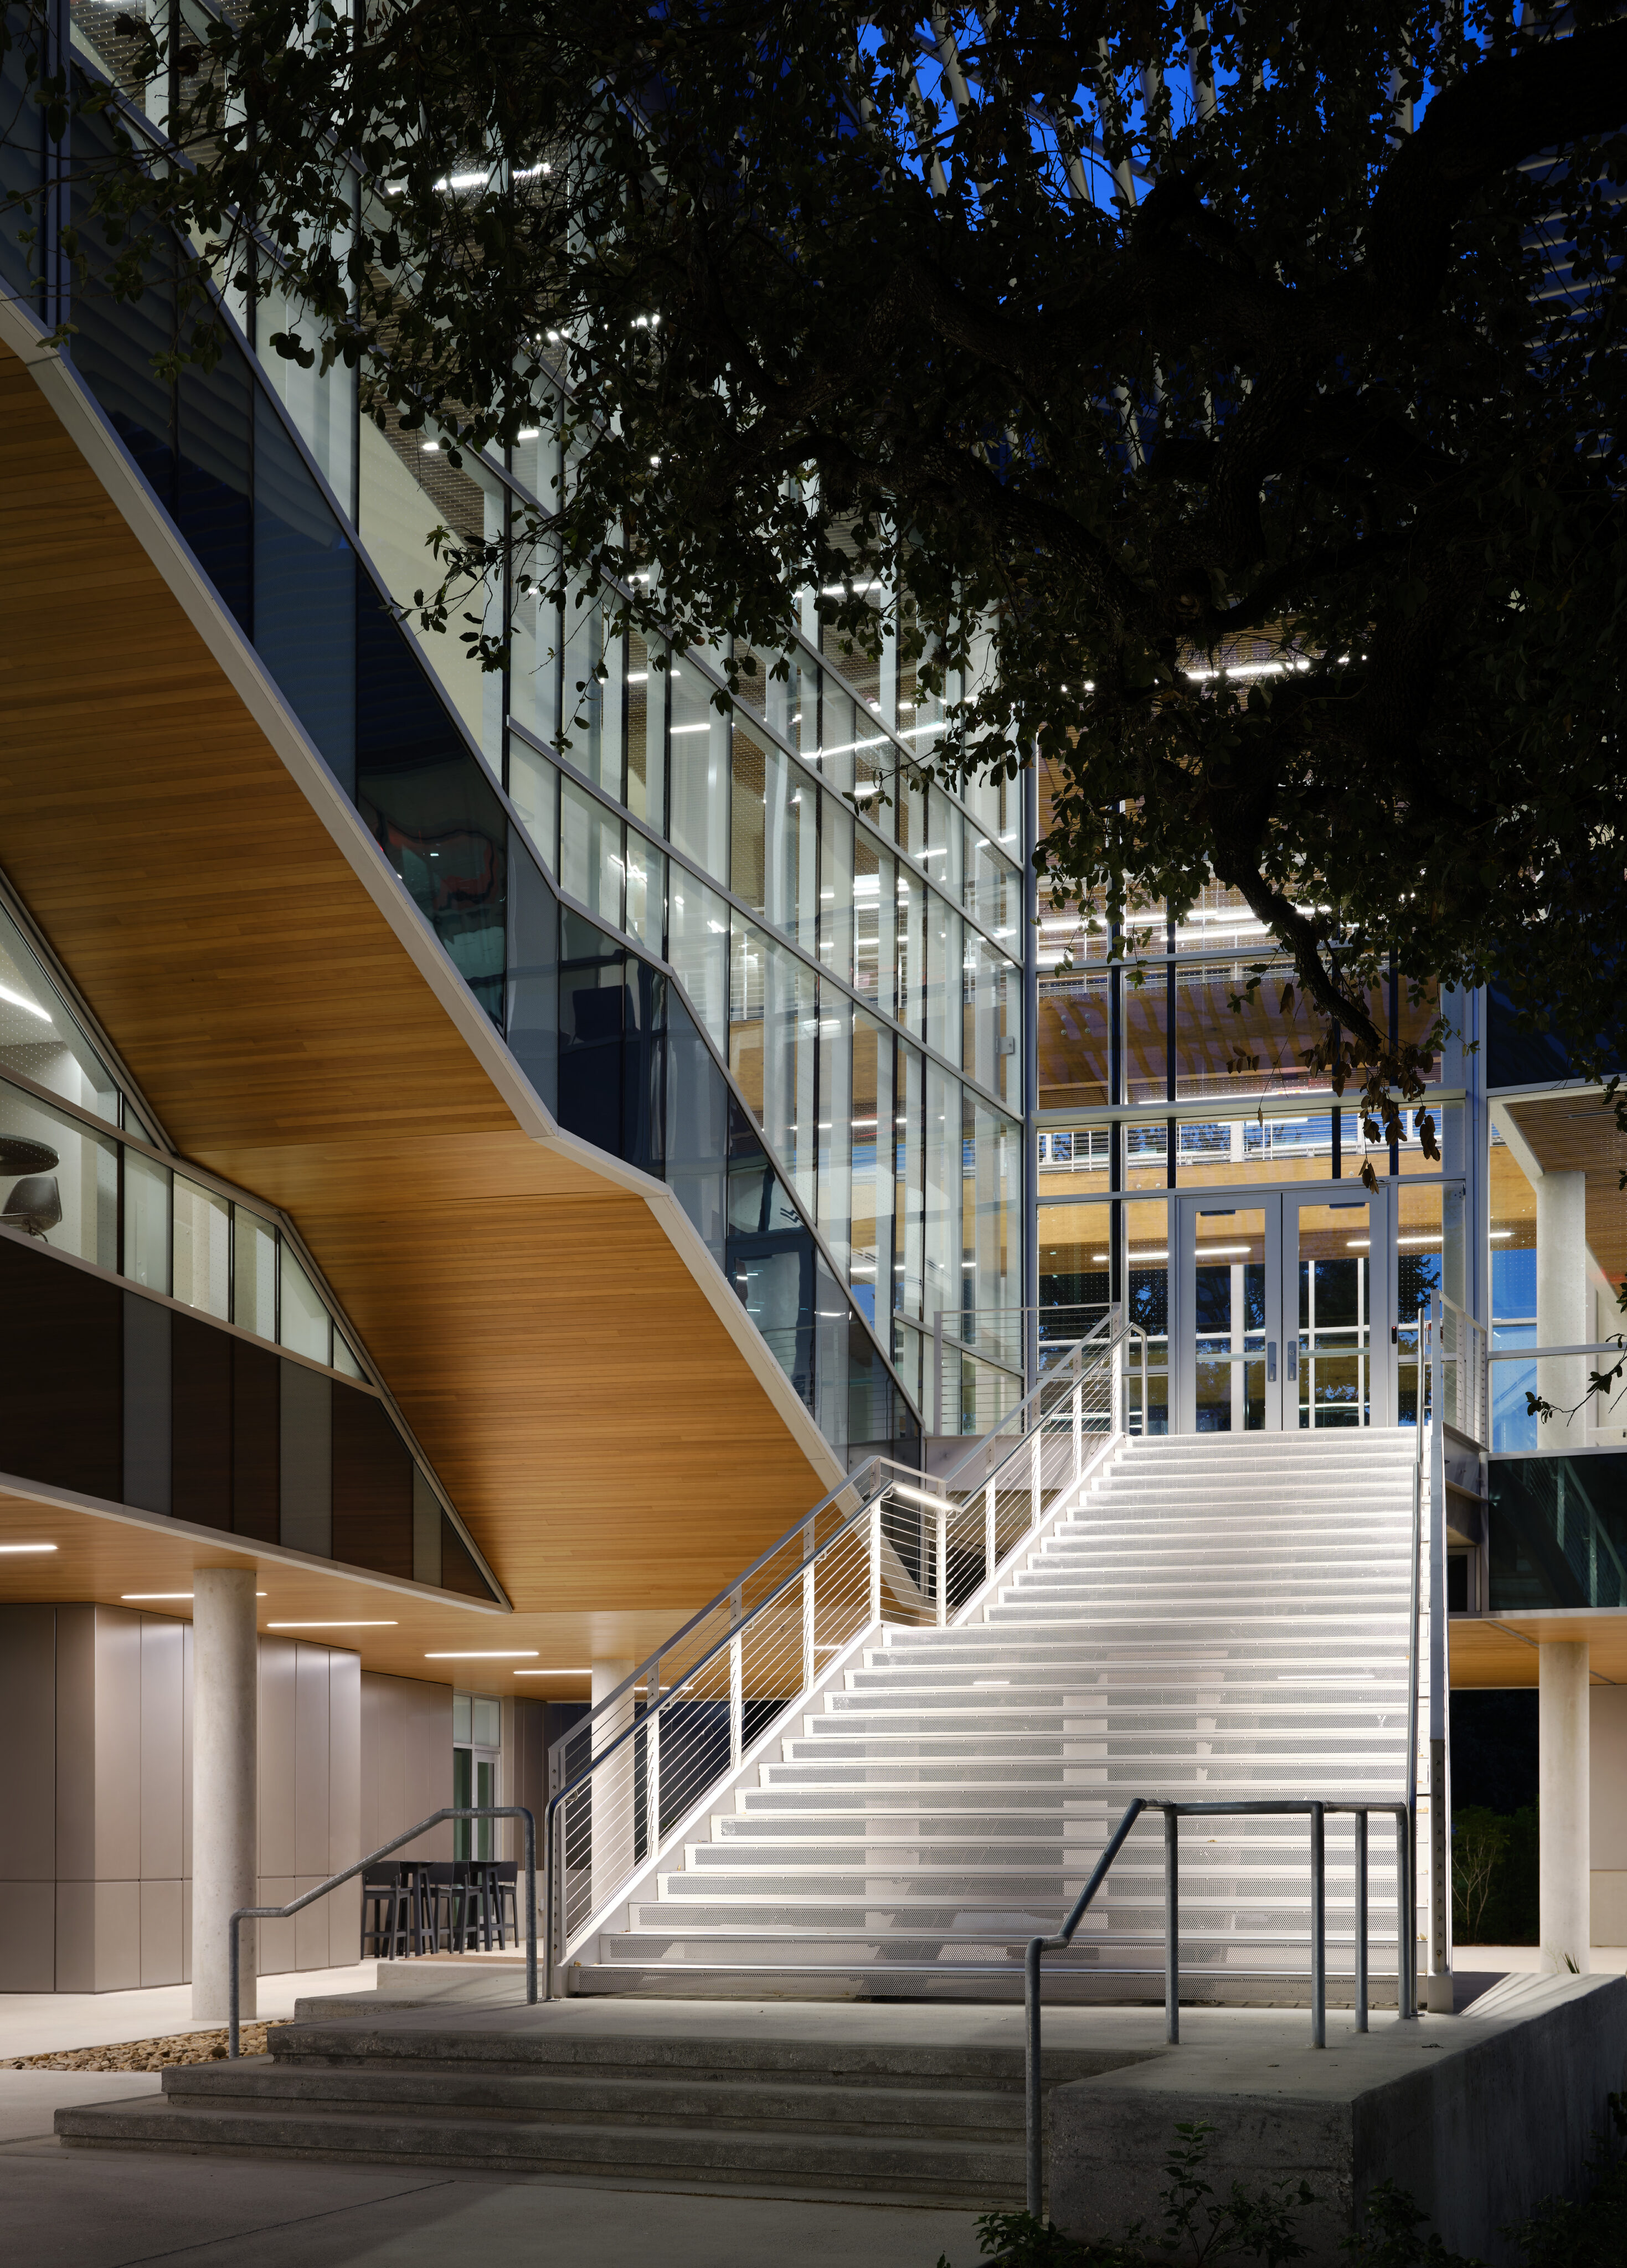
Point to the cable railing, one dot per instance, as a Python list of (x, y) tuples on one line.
[(890, 1547), (1285, 1807)]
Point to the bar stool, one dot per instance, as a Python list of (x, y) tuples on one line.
[(418, 1915), (505, 1898), (383, 1912)]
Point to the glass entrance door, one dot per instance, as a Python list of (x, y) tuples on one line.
[(1275, 1301)]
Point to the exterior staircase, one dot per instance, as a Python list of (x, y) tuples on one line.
[(1221, 1616)]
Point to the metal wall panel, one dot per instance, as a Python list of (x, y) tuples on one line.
[(276, 1704), (311, 1701), (76, 1749), (161, 1953), (344, 1802), (426, 1531), (118, 1756), (160, 1752), (28, 1933), (28, 1754)]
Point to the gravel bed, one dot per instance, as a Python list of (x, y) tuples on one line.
[(146, 2055)]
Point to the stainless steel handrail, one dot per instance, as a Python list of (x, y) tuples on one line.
[(1426, 1375), (1060, 1383), (1288, 1807), (309, 1897)]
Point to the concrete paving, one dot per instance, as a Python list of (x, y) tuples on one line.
[(51, 2023), (85, 2208)]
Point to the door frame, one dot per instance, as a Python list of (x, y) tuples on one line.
[(1280, 1201)]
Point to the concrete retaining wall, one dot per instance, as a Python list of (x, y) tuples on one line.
[(1480, 2116)]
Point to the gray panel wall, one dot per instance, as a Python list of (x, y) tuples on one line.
[(95, 1790), (406, 1761), (305, 1442)]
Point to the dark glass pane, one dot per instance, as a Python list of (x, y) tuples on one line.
[(256, 1442), (697, 1126), (1558, 1532), (62, 1374), (22, 164), (592, 1018), (459, 1571), (642, 1117), (305, 594), (533, 1020), (429, 804), (114, 345), (200, 1422), (215, 425), (769, 1258), (372, 1486), (1214, 1303)]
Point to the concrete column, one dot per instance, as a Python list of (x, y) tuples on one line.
[(613, 1843), (225, 1785), (1563, 1307), (1565, 1851)]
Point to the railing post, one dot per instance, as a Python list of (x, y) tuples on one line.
[(991, 1539), (1361, 1921), (808, 1655), (1079, 1423), (875, 1558), (1031, 2075), (1034, 1477), (737, 1684), (1406, 1917), (943, 1568), (1146, 1417), (937, 1373), (652, 1761), (1319, 1927), (1172, 1926)]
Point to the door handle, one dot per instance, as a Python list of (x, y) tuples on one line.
[(1293, 1347), (1271, 1361)]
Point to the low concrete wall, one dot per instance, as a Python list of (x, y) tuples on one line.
[(1480, 2116)]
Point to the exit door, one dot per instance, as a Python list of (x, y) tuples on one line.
[(1275, 1301)]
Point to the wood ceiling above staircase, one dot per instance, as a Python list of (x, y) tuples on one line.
[(615, 1441)]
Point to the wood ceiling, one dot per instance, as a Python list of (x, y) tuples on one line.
[(600, 1431), (1575, 1134)]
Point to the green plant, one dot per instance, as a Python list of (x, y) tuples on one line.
[(1200, 2226), (1389, 2234), (1479, 1840)]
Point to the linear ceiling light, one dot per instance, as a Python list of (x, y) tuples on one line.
[(332, 1625), (490, 1653), (135, 1597), (27, 1547), (553, 1673)]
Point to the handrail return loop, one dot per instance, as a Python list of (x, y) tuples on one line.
[(408, 1835)]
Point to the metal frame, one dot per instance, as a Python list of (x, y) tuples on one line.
[(1317, 1812), (295, 1905)]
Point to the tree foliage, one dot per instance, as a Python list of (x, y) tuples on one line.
[(1117, 341)]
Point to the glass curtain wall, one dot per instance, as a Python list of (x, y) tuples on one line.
[(848, 942)]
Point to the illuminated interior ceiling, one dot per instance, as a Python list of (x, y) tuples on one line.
[(1572, 1133)]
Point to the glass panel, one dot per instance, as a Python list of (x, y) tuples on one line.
[(836, 1113), (836, 751), (592, 696), (1075, 1267), (646, 736), (1074, 1161), (990, 1260), (1558, 1532), (253, 1274), (1229, 1321), (590, 852), (910, 899), (533, 784), (303, 1317), (487, 1722), (344, 1361), (1334, 1319), (699, 783), (871, 1269), (1074, 1050), (941, 1285), (38, 1037), (146, 1222), (773, 1028), (1147, 1293), (59, 1182), (697, 946), (462, 1718), (873, 915), (646, 893), (837, 880), (945, 978), (909, 1182), (943, 852), (203, 1229), (699, 1108)]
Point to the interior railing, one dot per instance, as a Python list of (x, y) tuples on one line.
[(1317, 1812), (890, 1547)]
